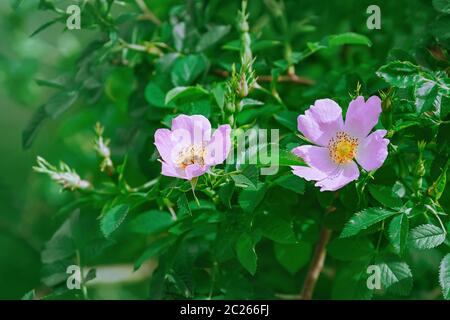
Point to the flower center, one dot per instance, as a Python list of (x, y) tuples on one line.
[(192, 154), (342, 148)]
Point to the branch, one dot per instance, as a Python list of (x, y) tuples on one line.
[(317, 263), (147, 13), (292, 78)]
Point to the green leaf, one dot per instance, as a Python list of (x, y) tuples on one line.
[(287, 158), (396, 276), (225, 193), (154, 95), (398, 233), (33, 126), (250, 198), (426, 95), (287, 119), (291, 182), (45, 26), (442, 6), (364, 219), (345, 38), (401, 74), (293, 257), (154, 249), (151, 222), (212, 36), (350, 249), (438, 186), (187, 69), (113, 218), (276, 228), (185, 93), (351, 282), (245, 250), (385, 195), (426, 236), (247, 178), (183, 205), (444, 276)]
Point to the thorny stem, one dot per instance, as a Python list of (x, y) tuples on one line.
[(317, 262)]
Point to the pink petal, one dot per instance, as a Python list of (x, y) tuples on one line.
[(373, 150), (195, 170), (316, 157), (362, 116), (172, 171), (164, 144), (343, 175), (308, 173), (321, 121), (219, 147), (195, 129)]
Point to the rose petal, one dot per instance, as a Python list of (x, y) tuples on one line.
[(194, 170), (308, 173), (316, 157), (172, 171), (362, 116), (164, 144), (343, 175), (195, 129), (372, 152), (321, 121), (219, 146)]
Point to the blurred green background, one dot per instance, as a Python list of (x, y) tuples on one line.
[(29, 201)]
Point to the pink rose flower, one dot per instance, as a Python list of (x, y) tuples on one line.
[(331, 163), (188, 149)]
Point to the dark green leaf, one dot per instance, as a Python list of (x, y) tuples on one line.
[(113, 218), (364, 219), (426, 236)]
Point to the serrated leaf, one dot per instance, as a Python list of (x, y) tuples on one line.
[(396, 276), (351, 282), (293, 257), (426, 236), (364, 219), (398, 233), (385, 195), (113, 218), (245, 250), (444, 276), (401, 74)]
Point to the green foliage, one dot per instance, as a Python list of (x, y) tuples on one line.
[(234, 232)]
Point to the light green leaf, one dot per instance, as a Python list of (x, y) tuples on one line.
[(212, 36), (247, 178), (364, 219), (185, 93), (113, 218), (426, 236), (444, 276), (401, 74)]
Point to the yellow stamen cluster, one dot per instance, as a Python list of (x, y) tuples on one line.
[(192, 154), (342, 148)]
